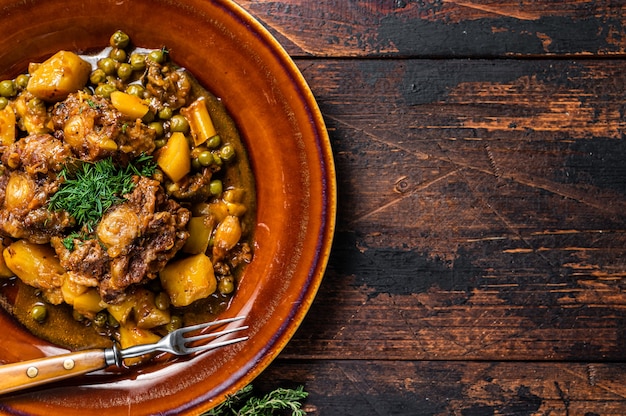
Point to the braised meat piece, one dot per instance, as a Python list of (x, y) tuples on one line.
[(167, 86), (30, 173), (37, 153), (95, 129), (135, 240)]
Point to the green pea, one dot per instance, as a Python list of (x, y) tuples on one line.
[(227, 152), (159, 143), (175, 323), (39, 312), (97, 77), (108, 65), (22, 80), (205, 158), (36, 104), (8, 88), (112, 321), (135, 89), (157, 55), (214, 141), (162, 301), (118, 54), (105, 90), (195, 164), (119, 39), (101, 319), (215, 187), (179, 123), (3, 102), (158, 127), (77, 315), (226, 285), (138, 61), (166, 113), (124, 71)]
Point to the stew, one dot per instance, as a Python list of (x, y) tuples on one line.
[(126, 198)]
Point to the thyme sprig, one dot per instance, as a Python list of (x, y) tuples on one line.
[(245, 403), (90, 190)]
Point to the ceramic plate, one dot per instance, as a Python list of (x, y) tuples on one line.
[(235, 58)]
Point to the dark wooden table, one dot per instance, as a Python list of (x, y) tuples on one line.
[(479, 265)]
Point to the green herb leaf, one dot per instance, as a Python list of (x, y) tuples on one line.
[(95, 187), (68, 241), (244, 403)]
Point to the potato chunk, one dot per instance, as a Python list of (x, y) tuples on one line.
[(147, 314), (200, 229), (189, 279), (61, 74), (4, 270), (122, 311), (89, 303), (7, 125), (36, 265), (129, 105), (71, 290), (174, 157), (131, 335)]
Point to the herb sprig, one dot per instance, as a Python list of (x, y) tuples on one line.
[(245, 403), (89, 191)]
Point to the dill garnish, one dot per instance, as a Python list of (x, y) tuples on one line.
[(68, 241), (246, 403), (88, 192)]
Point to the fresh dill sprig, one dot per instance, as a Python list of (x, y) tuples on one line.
[(244, 403), (93, 188), (68, 241)]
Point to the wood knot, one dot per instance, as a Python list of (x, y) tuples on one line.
[(401, 185)]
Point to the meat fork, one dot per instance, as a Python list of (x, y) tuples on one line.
[(26, 374)]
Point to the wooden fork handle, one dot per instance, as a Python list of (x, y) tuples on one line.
[(32, 373)]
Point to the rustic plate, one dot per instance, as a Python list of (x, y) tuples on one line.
[(239, 61)]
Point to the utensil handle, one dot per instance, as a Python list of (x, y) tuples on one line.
[(25, 374)]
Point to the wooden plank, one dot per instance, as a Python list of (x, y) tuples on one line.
[(481, 211), (417, 388), (456, 28)]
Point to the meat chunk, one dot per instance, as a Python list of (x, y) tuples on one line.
[(89, 124), (135, 239), (95, 129), (37, 153), (169, 87), (30, 177)]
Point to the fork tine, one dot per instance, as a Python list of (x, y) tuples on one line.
[(214, 334), (213, 345), (205, 325)]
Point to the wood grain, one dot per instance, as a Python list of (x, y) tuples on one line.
[(421, 388), (438, 28), (479, 265), (463, 232)]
